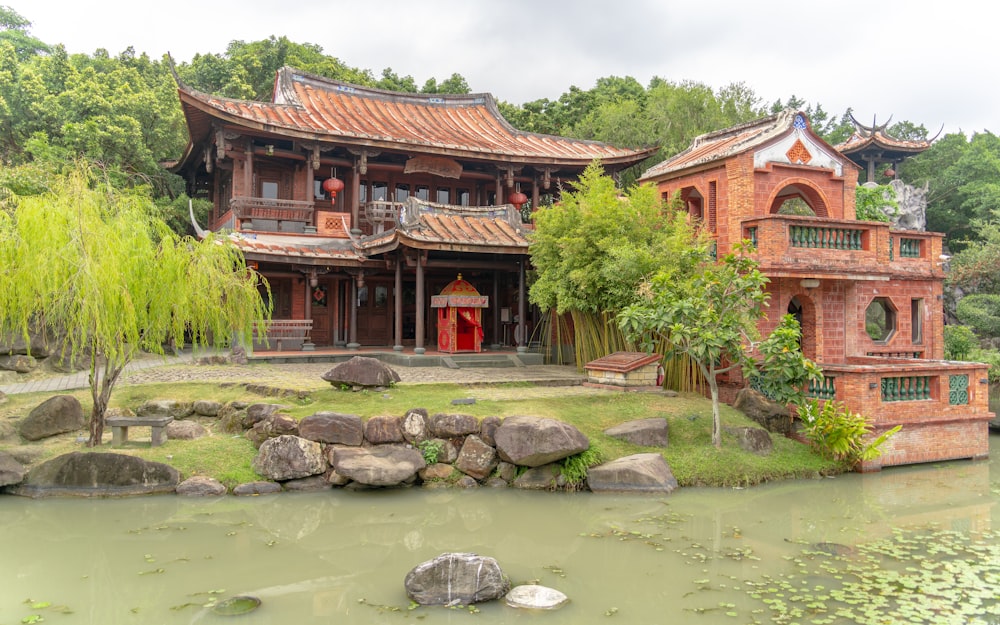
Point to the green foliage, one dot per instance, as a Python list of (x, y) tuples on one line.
[(593, 249), (574, 468), (959, 341), (710, 317), (88, 261), (431, 450), (981, 311), (974, 268), (784, 373), (840, 434), (990, 357), (875, 203)]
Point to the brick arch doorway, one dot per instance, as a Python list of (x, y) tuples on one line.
[(804, 310), (803, 192)]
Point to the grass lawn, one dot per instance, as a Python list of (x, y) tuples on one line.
[(227, 457)]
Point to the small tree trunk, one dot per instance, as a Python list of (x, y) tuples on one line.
[(100, 393), (716, 417)]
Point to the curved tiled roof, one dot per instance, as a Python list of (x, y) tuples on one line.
[(860, 141), (721, 144), (316, 108)]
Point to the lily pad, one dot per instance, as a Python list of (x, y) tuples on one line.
[(234, 606)]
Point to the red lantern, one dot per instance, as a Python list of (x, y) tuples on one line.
[(333, 186), (889, 173), (518, 199)]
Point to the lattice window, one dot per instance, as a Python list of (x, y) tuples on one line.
[(958, 390)]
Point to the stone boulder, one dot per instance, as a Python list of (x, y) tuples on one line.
[(56, 415), (772, 416), (289, 457), (7, 429), (185, 430), (476, 459), (534, 441), (12, 471), (39, 344), (272, 426), (333, 427), (912, 203), (201, 486), (452, 425), (383, 430), (456, 579), (19, 363), (164, 408), (257, 488), (206, 408), (258, 412), (639, 473), (307, 484), (362, 372), (487, 428), (386, 465), (545, 477), (644, 432), (414, 426), (535, 597), (754, 440), (97, 475)]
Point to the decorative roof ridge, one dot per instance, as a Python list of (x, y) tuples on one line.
[(287, 74), (717, 135)]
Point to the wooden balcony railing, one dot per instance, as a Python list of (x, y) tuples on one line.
[(270, 209)]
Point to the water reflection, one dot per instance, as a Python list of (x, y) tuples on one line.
[(319, 557)]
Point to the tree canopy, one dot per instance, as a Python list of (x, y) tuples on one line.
[(89, 262)]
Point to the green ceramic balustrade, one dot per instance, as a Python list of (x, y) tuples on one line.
[(824, 389), (825, 237), (909, 248), (752, 235), (906, 388)]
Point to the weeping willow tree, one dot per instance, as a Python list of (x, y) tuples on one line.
[(593, 250), (88, 262)]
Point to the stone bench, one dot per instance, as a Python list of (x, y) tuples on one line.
[(120, 425)]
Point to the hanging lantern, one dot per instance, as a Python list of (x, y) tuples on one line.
[(889, 173), (518, 199), (333, 186)]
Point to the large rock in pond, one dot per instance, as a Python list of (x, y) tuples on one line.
[(456, 579), (535, 597), (289, 457), (201, 486), (385, 465), (333, 427), (645, 432), (272, 426), (476, 458), (97, 475), (772, 416), (12, 471), (56, 415), (383, 430), (414, 426), (639, 473), (362, 372), (534, 441)]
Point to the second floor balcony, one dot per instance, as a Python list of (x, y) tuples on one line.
[(834, 246)]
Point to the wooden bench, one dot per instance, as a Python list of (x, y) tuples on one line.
[(120, 425), (281, 332)]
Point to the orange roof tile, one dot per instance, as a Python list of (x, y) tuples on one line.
[(468, 126)]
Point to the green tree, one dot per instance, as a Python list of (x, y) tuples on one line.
[(711, 318), (877, 203), (87, 261), (784, 373), (14, 30), (974, 268)]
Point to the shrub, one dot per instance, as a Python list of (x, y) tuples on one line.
[(574, 468), (431, 450), (982, 312), (839, 434), (959, 342)]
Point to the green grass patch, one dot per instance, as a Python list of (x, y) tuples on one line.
[(690, 454)]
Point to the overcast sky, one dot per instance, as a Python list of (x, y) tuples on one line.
[(929, 62)]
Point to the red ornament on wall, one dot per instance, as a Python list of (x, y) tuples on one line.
[(518, 199), (333, 186)]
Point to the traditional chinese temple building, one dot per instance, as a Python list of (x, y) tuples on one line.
[(868, 298), (358, 205), (872, 147)]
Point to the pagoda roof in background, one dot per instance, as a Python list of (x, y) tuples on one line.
[(874, 142)]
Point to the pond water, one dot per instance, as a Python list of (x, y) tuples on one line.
[(908, 545)]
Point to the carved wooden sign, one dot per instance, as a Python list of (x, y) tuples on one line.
[(436, 165)]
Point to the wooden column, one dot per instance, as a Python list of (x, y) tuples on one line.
[(355, 200), (308, 345), (420, 349), (496, 310), (353, 329), (310, 197), (534, 194), (398, 327), (337, 302), (522, 308), (500, 198)]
